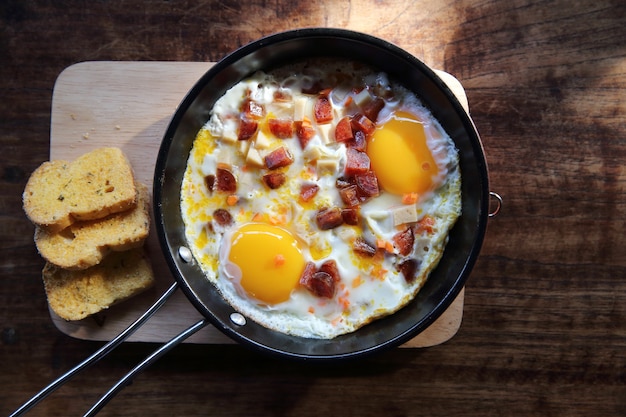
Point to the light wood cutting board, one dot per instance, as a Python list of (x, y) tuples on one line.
[(129, 105)]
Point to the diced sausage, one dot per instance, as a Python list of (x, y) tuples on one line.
[(304, 132), (367, 184), (403, 241), (308, 191), (222, 217), (274, 179), (309, 270), (372, 108), (358, 142), (408, 268), (357, 162), (349, 195), (225, 180), (278, 158), (329, 218), (253, 110), (361, 247), (322, 285), (361, 122), (350, 216), (247, 128), (281, 128), (323, 109), (209, 181), (330, 267), (343, 130), (282, 96)]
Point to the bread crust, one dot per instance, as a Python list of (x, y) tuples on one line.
[(74, 295), (85, 243), (97, 184)]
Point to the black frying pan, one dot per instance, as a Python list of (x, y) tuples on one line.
[(465, 239)]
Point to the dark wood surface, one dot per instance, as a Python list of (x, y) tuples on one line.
[(544, 327)]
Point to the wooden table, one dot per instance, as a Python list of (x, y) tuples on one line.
[(544, 317)]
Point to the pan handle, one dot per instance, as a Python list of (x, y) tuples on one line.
[(106, 349), (128, 378)]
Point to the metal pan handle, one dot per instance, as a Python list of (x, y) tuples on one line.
[(108, 348)]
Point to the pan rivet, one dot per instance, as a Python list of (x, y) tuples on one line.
[(185, 254), (238, 319)]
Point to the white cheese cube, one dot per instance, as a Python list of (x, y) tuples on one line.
[(327, 166), (326, 137), (404, 214), (229, 132), (262, 141), (299, 109), (362, 98), (253, 157)]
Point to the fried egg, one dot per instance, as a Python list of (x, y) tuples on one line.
[(319, 196)]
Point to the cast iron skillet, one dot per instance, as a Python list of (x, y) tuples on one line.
[(466, 237)]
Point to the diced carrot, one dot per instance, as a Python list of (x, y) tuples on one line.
[(311, 310), (410, 198), (257, 217), (357, 281), (345, 303), (232, 199), (389, 247), (380, 243)]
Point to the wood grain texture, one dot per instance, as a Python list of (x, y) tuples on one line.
[(543, 330)]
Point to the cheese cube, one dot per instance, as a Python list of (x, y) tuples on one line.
[(325, 135), (299, 109), (404, 214), (253, 157)]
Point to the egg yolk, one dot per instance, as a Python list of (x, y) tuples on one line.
[(270, 261), (400, 157)]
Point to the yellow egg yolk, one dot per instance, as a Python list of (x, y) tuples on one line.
[(400, 156), (270, 261)]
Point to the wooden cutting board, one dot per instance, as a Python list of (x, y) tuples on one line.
[(129, 105)]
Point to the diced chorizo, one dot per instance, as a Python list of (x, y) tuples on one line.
[(308, 191), (307, 273), (304, 132), (330, 267), (252, 110), (209, 181), (329, 218), (323, 109), (361, 122), (274, 179), (408, 268), (349, 195), (357, 162), (367, 184), (358, 142), (247, 128), (225, 181), (403, 241), (361, 247), (222, 217), (281, 128), (342, 182), (278, 158), (282, 96), (343, 130), (322, 285), (372, 108), (350, 216)]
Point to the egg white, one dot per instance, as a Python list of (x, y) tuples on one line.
[(369, 289)]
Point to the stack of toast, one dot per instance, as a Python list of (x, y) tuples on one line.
[(91, 220)]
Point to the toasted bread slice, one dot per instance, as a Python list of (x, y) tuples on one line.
[(93, 186), (85, 243), (74, 295)]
